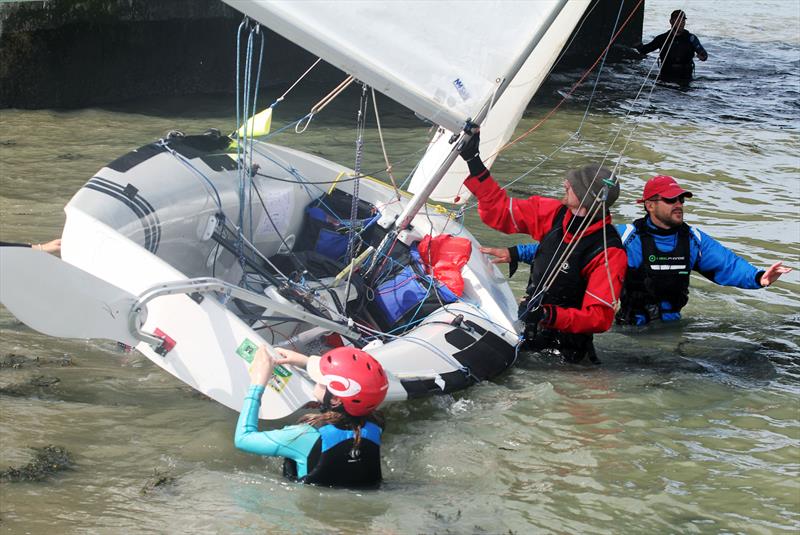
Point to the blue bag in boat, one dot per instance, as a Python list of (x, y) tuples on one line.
[(409, 291), (326, 229), (332, 237)]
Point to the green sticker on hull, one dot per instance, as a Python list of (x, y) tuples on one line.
[(280, 375), (247, 350)]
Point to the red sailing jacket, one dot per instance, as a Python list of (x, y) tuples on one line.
[(534, 216)]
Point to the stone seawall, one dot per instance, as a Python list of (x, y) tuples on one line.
[(80, 53)]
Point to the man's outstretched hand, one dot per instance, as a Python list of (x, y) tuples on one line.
[(774, 273)]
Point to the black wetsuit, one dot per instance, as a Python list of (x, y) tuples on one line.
[(677, 58)]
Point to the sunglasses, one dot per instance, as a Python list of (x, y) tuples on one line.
[(673, 200)]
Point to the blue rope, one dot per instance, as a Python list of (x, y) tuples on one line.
[(255, 107), (163, 143), (244, 87)]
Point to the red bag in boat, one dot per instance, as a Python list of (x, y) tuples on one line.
[(444, 256)]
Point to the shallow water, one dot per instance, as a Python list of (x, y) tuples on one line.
[(691, 428)]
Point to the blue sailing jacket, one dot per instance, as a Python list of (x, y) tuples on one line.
[(707, 257)]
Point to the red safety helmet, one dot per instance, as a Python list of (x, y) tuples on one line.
[(352, 375)]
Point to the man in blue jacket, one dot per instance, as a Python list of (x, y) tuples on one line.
[(662, 251)]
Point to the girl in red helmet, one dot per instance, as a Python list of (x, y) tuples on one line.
[(338, 446)]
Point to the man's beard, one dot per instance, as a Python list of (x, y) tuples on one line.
[(670, 220)]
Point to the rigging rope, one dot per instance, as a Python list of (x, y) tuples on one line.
[(548, 280), (383, 145), (600, 70), (244, 145), (283, 96), (574, 86), (550, 271), (319, 106), (361, 122)]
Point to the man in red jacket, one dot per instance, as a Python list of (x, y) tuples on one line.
[(579, 267)]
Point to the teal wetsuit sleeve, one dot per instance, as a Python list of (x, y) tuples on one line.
[(294, 442)]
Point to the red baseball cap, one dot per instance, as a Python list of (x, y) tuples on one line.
[(662, 185)]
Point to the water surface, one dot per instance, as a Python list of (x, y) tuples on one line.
[(646, 443)]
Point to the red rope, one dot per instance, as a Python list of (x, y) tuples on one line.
[(576, 84)]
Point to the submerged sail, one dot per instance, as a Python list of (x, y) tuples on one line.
[(443, 59), (496, 130)]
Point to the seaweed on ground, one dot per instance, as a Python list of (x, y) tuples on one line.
[(35, 386), (159, 479), (48, 461), (16, 361)]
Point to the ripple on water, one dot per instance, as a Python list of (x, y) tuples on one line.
[(648, 442)]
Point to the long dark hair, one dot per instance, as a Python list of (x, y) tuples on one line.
[(338, 417)]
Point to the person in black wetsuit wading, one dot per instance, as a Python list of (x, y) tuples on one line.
[(677, 48)]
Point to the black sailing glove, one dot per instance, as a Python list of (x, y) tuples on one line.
[(545, 316), (469, 151), (513, 260), (541, 317)]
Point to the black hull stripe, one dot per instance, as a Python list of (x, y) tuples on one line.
[(149, 221), (146, 207), (145, 213), (127, 202)]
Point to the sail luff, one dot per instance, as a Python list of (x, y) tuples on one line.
[(542, 30), (497, 129), (420, 198), (442, 59)]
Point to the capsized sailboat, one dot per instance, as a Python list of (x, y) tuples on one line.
[(197, 249)]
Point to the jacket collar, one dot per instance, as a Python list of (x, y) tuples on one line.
[(591, 229), (652, 229)]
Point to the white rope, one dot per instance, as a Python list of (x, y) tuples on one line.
[(608, 268), (383, 145), (280, 98)]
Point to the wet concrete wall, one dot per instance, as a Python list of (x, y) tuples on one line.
[(605, 18), (79, 53)]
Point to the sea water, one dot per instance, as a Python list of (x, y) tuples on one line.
[(687, 428)]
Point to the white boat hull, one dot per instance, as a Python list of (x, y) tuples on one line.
[(148, 218)]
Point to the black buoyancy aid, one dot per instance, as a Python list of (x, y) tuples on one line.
[(677, 57), (334, 462), (661, 277), (569, 287)]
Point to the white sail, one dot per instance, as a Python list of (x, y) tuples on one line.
[(501, 121), (441, 58)]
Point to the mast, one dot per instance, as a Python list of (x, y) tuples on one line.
[(420, 198), (505, 114)]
